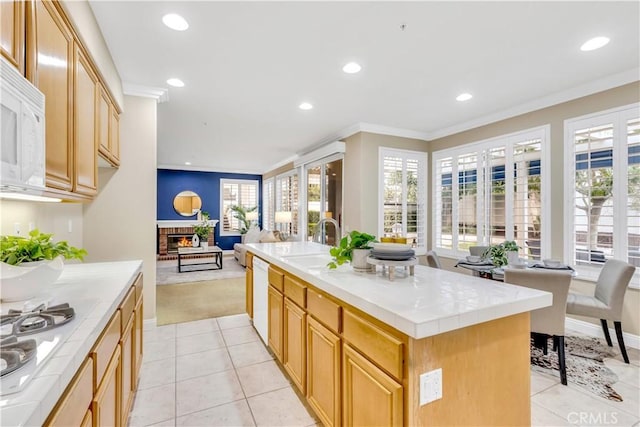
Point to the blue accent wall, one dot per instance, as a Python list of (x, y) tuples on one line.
[(207, 186)]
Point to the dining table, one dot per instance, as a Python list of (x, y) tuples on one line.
[(486, 269)]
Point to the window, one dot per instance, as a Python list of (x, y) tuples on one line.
[(287, 198), (491, 191), (268, 204), (602, 185), (403, 194), (236, 192)]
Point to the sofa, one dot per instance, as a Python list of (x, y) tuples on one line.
[(254, 235)]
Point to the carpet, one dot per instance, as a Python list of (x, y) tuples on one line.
[(185, 302), (167, 272), (584, 358)]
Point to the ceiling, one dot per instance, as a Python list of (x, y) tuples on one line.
[(248, 65)]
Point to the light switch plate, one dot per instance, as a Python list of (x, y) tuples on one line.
[(430, 386)]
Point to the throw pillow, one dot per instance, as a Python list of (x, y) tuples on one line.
[(269, 238), (252, 236)]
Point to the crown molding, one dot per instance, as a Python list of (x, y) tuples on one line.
[(158, 93), (387, 130), (208, 169)]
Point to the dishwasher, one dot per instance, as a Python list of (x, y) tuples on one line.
[(260, 297)]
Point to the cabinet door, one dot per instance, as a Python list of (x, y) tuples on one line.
[(76, 400), (127, 360), (275, 304), (323, 372), (114, 136), (105, 407), (249, 291), (50, 67), (85, 130), (103, 117), (295, 344), (138, 318), (369, 396), (12, 32)]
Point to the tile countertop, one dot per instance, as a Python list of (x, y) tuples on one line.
[(94, 290), (431, 302)]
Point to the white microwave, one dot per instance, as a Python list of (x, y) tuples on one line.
[(22, 138)]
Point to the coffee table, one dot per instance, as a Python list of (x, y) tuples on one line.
[(211, 257)]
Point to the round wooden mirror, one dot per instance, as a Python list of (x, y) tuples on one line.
[(187, 203)]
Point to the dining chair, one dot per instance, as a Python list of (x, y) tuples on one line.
[(606, 302), (433, 260), (477, 250), (548, 321)]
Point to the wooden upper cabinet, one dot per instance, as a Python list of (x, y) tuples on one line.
[(12, 32), (114, 136), (85, 129), (49, 65), (104, 115)]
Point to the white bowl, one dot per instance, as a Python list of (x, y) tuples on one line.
[(24, 281), (552, 263)]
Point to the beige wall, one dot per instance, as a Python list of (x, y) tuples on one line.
[(275, 172), (120, 223), (555, 117)]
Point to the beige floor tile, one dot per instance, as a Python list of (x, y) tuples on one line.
[(153, 405), (542, 417), (630, 396), (626, 373), (576, 406), (249, 354), (231, 414), (157, 372), (200, 342), (196, 327), (541, 381), (235, 321), (279, 408), (157, 350), (241, 335), (202, 363), (205, 392), (261, 378), (167, 423), (160, 333)]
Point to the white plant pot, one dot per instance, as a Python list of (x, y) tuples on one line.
[(359, 259), (205, 245), (512, 258), (27, 280)]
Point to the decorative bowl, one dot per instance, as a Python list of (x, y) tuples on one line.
[(552, 263), (390, 247), (24, 281)]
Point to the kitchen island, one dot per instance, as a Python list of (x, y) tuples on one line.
[(356, 344), (86, 370)]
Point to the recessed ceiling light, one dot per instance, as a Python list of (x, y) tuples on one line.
[(305, 106), (187, 163), (352, 68), (464, 97), (175, 22), (594, 43), (175, 82)]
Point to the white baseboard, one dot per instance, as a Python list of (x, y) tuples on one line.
[(594, 330), (149, 323)]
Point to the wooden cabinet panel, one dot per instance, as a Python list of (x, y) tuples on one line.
[(105, 405), (249, 259), (249, 291), (88, 419), (369, 396), (85, 130), (323, 309), (127, 381), (103, 117), (75, 402), (275, 328), (295, 290), (114, 136), (323, 372), (50, 67), (294, 357), (126, 308), (276, 278), (138, 317), (12, 32), (139, 286), (104, 348)]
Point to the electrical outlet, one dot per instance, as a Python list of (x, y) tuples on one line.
[(31, 226), (70, 226), (430, 386), (16, 228)]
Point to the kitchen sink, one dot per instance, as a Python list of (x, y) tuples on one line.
[(314, 261)]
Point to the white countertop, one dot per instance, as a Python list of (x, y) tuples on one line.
[(431, 302), (94, 291)]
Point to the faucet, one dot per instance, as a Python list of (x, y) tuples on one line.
[(318, 235)]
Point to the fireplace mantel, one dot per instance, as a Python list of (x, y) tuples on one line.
[(183, 223), (167, 227)]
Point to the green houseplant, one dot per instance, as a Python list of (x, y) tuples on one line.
[(15, 250), (241, 213), (202, 229), (348, 244), (498, 253)]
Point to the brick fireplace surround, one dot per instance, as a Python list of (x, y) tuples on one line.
[(166, 228)]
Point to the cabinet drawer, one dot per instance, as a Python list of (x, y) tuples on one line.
[(276, 278), (104, 348), (295, 290), (323, 309), (138, 285), (248, 260), (378, 345), (76, 400), (126, 308)]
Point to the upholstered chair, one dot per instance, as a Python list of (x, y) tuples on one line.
[(606, 302), (433, 260), (477, 250), (548, 321)]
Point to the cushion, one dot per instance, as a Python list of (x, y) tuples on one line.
[(269, 238), (252, 236)]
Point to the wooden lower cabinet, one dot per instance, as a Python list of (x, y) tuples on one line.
[(249, 292), (323, 372), (106, 402), (88, 419), (294, 358), (72, 407), (138, 319), (127, 361), (369, 395), (275, 313)]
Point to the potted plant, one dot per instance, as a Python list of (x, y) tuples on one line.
[(203, 229), (499, 254), (241, 213), (353, 248), (31, 263)]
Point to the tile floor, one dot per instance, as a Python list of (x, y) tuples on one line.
[(217, 372)]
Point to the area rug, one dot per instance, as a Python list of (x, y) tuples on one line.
[(185, 302), (167, 272), (584, 359)]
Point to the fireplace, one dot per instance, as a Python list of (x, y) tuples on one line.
[(175, 241), (170, 233)]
